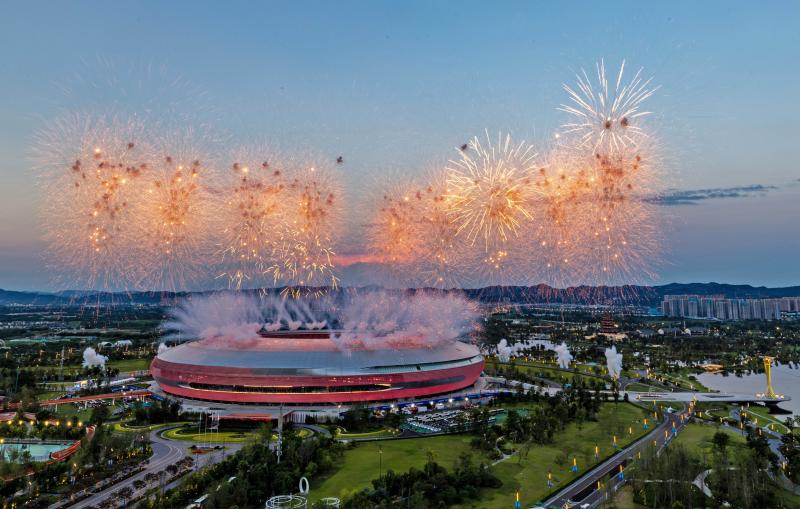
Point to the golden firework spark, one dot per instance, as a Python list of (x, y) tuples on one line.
[(491, 189), (253, 218), (314, 214), (177, 210), (91, 170)]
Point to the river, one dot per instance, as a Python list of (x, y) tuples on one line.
[(784, 380)]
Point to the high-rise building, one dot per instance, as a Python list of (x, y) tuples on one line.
[(720, 308)]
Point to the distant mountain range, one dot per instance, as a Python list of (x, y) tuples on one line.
[(586, 295)]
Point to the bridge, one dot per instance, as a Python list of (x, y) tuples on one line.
[(705, 397), (140, 394)]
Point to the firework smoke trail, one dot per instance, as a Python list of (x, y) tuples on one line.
[(368, 320), (491, 189), (92, 170), (613, 362), (91, 358), (605, 119), (377, 319), (504, 351), (563, 356)]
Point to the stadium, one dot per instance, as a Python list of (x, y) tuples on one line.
[(314, 367)]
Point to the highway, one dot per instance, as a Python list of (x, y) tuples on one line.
[(584, 491)]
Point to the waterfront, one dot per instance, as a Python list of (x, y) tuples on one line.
[(784, 380)]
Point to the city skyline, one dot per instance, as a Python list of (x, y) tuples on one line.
[(394, 96)]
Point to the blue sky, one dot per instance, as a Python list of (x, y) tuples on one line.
[(394, 86)]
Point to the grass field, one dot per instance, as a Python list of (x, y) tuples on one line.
[(190, 434), (762, 414), (530, 475), (123, 427), (342, 434), (550, 372), (126, 365), (361, 464), (123, 366), (681, 379), (67, 411), (697, 438)]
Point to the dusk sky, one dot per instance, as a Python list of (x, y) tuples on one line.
[(395, 86)]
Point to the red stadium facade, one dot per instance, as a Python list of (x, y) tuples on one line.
[(313, 368)]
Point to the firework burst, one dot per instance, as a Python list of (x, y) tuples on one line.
[(314, 216), (601, 228), (491, 189), (92, 170), (605, 119), (253, 218), (176, 210), (393, 233), (413, 234)]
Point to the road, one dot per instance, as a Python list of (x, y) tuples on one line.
[(165, 453), (584, 491)]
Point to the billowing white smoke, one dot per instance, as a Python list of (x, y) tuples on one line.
[(366, 320), (504, 351), (92, 358), (426, 319), (162, 347), (613, 362), (235, 316), (316, 325), (564, 357)]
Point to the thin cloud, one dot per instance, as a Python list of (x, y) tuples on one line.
[(694, 196)]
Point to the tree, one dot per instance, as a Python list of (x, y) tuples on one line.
[(721, 441)]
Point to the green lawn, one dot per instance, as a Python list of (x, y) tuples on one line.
[(67, 411), (762, 414), (530, 475), (190, 434), (361, 464), (697, 437), (550, 372), (123, 366), (342, 434), (126, 365), (681, 379), (124, 427)]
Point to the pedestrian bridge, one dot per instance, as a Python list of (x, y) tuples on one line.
[(706, 397)]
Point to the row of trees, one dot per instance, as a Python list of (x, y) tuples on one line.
[(433, 487), (256, 471)]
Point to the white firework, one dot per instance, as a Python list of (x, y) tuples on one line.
[(491, 189), (606, 119)]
